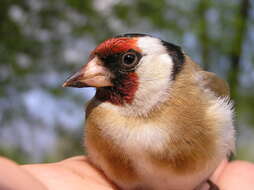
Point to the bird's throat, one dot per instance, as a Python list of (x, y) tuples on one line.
[(122, 92)]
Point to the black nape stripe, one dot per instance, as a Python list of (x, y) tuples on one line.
[(130, 35), (177, 55)]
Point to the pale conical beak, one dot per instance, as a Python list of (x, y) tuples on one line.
[(93, 74)]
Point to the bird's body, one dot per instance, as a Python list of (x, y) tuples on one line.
[(159, 124)]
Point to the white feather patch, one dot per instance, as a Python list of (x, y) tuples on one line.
[(150, 45), (221, 113), (138, 137)]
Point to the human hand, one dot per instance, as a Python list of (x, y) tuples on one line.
[(77, 173), (73, 173)]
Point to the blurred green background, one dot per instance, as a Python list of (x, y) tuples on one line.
[(42, 42)]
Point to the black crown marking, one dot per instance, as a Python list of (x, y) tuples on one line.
[(131, 35)]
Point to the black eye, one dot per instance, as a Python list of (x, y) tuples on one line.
[(129, 59)]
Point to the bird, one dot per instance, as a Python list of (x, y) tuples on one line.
[(158, 121)]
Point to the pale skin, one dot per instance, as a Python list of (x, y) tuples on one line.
[(77, 173)]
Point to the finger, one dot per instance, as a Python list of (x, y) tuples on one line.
[(216, 175), (73, 173), (13, 177), (237, 175), (83, 167)]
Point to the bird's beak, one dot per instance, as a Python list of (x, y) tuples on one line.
[(93, 74)]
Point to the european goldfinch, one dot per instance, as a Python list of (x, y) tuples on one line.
[(157, 120)]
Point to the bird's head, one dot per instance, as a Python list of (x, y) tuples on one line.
[(131, 70)]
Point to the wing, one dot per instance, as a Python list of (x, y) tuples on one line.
[(214, 83)]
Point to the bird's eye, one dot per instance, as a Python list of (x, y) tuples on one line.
[(129, 59)]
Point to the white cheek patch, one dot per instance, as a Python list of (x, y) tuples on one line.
[(154, 77)]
